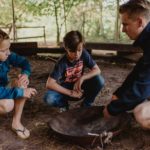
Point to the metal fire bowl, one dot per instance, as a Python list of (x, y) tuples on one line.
[(83, 125)]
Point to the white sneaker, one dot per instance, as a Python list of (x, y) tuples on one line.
[(129, 111), (62, 109)]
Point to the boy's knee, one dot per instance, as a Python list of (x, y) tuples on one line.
[(50, 99), (100, 81), (8, 106)]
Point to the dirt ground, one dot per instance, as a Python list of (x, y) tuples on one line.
[(36, 114)]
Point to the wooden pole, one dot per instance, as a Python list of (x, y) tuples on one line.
[(13, 17)]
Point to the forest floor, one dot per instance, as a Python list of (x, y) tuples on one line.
[(36, 114)]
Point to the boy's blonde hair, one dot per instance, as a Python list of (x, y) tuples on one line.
[(3, 36), (135, 8)]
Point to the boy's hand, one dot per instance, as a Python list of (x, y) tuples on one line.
[(75, 94), (23, 80), (29, 92)]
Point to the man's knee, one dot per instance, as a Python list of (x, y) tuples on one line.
[(141, 115), (7, 106)]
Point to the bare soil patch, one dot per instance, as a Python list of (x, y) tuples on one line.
[(36, 114)]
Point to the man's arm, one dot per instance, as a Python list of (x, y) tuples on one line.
[(132, 76)]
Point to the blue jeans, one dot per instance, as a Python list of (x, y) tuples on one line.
[(91, 88)]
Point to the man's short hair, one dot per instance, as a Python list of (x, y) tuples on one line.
[(136, 8)]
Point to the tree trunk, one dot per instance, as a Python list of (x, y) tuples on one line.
[(83, 24), (117, 26), (57, 24), (14, 22), (65, 19), (101, 27)]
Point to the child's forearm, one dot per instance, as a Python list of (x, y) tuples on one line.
[(59, 88), (92, 73)]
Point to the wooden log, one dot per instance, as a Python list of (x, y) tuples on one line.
[(31, 48), (113, 47), (24, 48)]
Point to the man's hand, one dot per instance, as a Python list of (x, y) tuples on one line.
[(114, 97), (106, 113), (29, 92), (23, 80)]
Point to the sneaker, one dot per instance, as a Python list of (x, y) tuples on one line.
[(62, 109), (129, 111)]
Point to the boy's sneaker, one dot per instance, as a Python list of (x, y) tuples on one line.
[(63, 109)]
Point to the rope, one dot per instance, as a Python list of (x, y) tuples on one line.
[(104, 138)]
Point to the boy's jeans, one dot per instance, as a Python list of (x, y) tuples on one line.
[(91, 88)]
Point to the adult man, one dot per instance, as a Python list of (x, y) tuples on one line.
[(135, 17)]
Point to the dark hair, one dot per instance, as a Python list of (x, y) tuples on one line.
[(3, 35), (136, 8), (72, 39)]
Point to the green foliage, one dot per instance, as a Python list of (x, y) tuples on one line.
[(5, 13), (95, 19)]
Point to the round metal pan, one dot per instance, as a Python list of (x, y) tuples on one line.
[(86, 126)]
